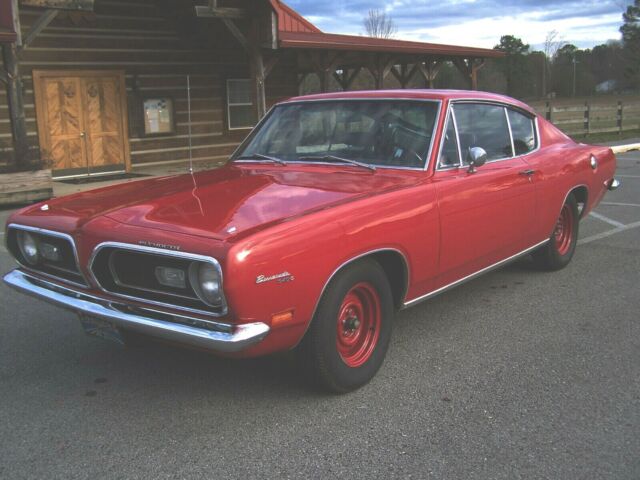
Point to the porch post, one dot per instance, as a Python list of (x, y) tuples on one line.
[(258, 80), (15, 92)]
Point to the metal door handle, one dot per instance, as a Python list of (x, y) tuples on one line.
[(82, 134), (528, 173)]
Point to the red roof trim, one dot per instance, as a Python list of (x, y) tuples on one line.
[(291, 21), (329, 41)]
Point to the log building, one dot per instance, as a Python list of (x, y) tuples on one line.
[(95, 87)]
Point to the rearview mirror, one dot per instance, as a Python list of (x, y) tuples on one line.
[(476, 157)]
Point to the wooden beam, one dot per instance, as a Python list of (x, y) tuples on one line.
[(86, 5), (16, 22), (15, 96), (469, 68), (220, 12), (324, 64), (40, 24), (237, 33), (430, 69), (380, 66), (270, 63)]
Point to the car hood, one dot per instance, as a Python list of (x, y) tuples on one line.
[(227, 201)]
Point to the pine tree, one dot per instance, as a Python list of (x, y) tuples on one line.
[(631, 43)]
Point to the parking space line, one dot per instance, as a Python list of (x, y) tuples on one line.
[(617, 204), (608, 233), (608, 220), (628, 176)]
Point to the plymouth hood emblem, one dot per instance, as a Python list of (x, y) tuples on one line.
[(159, 245)]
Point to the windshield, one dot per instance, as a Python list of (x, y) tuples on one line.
[(393, 133)]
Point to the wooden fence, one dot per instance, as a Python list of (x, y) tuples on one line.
[(593, 118)]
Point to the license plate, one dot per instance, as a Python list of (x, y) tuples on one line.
[(98, 327)]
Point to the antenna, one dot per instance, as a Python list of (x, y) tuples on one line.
[(189, 116)]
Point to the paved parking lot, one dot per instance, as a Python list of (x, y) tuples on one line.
[(518, 374)]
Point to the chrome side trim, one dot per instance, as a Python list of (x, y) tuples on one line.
[(52, 233), (168, 253), (226, 338), (433, 293), (513, 147)]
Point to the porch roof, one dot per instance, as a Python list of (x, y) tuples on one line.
[(330, 41), (294, 31)]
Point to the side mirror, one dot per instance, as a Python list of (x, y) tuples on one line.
[(476, 157)]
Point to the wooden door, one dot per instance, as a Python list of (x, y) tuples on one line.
[(82, 122)]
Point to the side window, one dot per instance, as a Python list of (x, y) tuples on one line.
[(485, 126), (523, 131), (449, 154)]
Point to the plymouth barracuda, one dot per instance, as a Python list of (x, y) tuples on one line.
[(336, 211)]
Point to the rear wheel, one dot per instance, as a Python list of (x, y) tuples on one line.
[(559, 250), (349, 335)]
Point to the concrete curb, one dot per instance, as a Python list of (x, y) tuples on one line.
[(625, 148)]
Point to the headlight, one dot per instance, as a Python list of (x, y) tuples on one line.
[(28, 247), (207, 283)]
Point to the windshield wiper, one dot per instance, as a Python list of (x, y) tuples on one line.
[(334, 158), (260, 156)]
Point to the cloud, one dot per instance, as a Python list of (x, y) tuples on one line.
[(475, 22)]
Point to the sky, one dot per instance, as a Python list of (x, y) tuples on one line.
[(479, 23)]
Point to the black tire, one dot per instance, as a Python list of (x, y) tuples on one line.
[(558, 251), (322, 352)]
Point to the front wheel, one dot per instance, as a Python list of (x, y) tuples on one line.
[(559, 250), (350, 332)]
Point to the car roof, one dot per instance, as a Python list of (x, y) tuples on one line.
[(413, 94)]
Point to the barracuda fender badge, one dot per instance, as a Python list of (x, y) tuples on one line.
[(159, 245), (278, 277)]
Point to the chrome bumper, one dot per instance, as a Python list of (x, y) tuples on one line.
[(214, 336), (613, 184)]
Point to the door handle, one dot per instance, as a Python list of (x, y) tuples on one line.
[(82, 134), (528, 173)]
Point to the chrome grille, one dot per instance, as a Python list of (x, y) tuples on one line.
[(129, 271)]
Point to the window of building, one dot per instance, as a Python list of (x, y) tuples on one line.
[(241, 112), (523, 131)]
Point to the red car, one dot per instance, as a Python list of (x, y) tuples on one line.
[(337, 210)]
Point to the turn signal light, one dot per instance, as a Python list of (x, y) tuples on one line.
[(282, 318)]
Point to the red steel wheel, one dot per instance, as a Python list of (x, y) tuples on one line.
[(563, 233), (559, 250), (358, 327), (350, 332)]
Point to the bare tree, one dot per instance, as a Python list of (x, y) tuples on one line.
[(379, 24), (552, 43)]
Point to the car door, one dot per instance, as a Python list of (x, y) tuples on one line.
[(486, 215)]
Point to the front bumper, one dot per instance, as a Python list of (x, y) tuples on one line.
[(213, 336)]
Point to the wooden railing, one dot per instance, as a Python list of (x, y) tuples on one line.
[(590, 119)]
